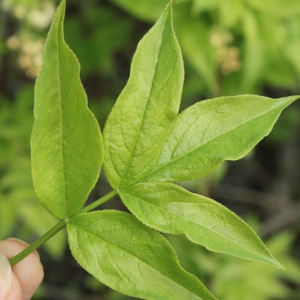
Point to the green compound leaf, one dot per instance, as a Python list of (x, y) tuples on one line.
[(66, 141), (171, 209), (137, 126), (135, 260), (211, 131)]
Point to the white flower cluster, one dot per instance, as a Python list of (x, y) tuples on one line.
[(36, 16), (228, 56)]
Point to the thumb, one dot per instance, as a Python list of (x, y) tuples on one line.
[(5, 276)]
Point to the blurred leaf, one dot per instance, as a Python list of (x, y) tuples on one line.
[(253, 48), (97, 38), (199, 6), (193, 35), (231, 12), (276, 7), (7, 220), (146, 10), (234, 280)]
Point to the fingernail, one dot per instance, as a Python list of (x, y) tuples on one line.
[(23, 244), (5, 276), (17, 241)]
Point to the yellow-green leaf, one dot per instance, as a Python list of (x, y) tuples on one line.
[(138, 123), (171, 209), (211, 131), (131, 258), (66, 143)]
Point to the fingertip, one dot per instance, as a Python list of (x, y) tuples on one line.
[(28, 271), (21, 245)]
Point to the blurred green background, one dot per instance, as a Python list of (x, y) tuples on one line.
[(229, 47)]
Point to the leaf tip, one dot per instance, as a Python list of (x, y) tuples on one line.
[(271, 261), (276, 264)]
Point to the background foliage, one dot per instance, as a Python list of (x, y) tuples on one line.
[(230, 47)]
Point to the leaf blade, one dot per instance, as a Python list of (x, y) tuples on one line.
[(211, 131), (139, 121), (130, 258), (171, 209), (66, 143)]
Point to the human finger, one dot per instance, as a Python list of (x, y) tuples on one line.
[(28, 272)]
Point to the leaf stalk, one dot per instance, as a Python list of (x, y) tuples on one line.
[(56, 228), (36, 244)]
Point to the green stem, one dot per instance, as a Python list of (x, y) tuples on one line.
[(36, 244), (100, 201), (56, 228)]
